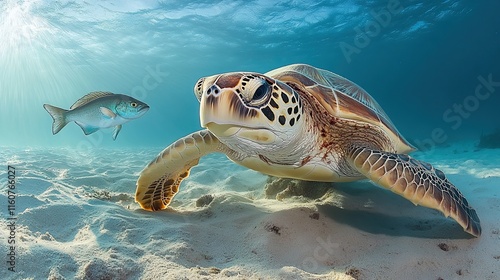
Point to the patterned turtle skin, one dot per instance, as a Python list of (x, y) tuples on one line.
[(306, 123)]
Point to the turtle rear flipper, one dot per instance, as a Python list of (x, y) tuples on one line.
[(416, 181), (159, 181)]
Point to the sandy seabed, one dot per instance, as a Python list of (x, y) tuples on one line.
[(76, 219)]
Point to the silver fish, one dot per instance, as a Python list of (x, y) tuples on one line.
[(98, 110)]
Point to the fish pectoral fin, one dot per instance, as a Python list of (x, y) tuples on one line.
[(87, 129), (107, 112), (116, 131)]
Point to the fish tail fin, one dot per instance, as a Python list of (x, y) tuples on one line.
[(59, 116)]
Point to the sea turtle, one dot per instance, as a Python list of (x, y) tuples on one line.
[(306, 123)]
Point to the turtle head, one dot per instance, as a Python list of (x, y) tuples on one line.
[(249, 107)]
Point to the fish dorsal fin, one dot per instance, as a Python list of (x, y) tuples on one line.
[(90, 97)]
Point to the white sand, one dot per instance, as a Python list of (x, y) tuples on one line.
[(77, 219)]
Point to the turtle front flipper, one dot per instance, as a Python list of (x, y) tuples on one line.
[(159, 181), (416, 181)]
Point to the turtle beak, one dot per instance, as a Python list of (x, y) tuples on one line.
[(222, 130), (224, 107), (262, 136)]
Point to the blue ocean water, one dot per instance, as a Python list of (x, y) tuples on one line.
[(432, 65), (421, 60)]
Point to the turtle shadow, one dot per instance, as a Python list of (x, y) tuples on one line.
[(377, 223), (388, 214)]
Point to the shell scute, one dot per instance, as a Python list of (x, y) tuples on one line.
[(341, 98)]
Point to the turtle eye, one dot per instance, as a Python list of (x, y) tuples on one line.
[(260, 95), (133, 104)]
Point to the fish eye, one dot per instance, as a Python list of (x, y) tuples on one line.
[(133, 104)]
